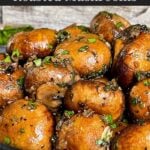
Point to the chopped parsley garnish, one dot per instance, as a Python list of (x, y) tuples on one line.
[(147, 83), (15, 53), (47, 60), (83, 28), (111, 85), (50, 46), (108, 119), (65, 52), (113, 126), (91, 40), (7, 59), (7, 140), (136, 101), (32, 105), (20, 81), (37, 62), (83, 48), (97, 73), (68, 113), (119, 25), (142, 75), (62, 35)]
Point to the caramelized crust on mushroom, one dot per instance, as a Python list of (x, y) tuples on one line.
[(126, 36), (39, 42), (134, 137), (86, 53), (133, 61), (108, 25), (102, 97), (26, 125), (139, 101), (83, 132)]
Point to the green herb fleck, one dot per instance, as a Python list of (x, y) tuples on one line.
[(83, 48), (136, 101), (47, 60), (113, 126), (62, 35), (111, 85), (7, 140), (21, 130), (38, 62), (83, 28), (7, 59), (119, 25), (15, 53), (147, 83), (99, 73), (142, 75), (68, 113), (65, 52), (50, 46), (91, 40), (32, 105), (20, 81), (108, 119)]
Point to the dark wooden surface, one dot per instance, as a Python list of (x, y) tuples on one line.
[(61, 16)]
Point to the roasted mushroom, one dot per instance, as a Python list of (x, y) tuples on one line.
[(25, 124), (126, 36), (108, 25), (102, 97), (139, 100), (87, 54), (11, 80), (84, 131), (134, 137), (48, 81), (133, 61), (39, 42)]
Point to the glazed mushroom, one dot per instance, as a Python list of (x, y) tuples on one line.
[(84, 131), (87, 54), (126, 36), (108, 25), (39, 42), (11, 80), (26, 125), (48, 81), (139, 100), (133, 60), (102, 97), (133, 137)]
